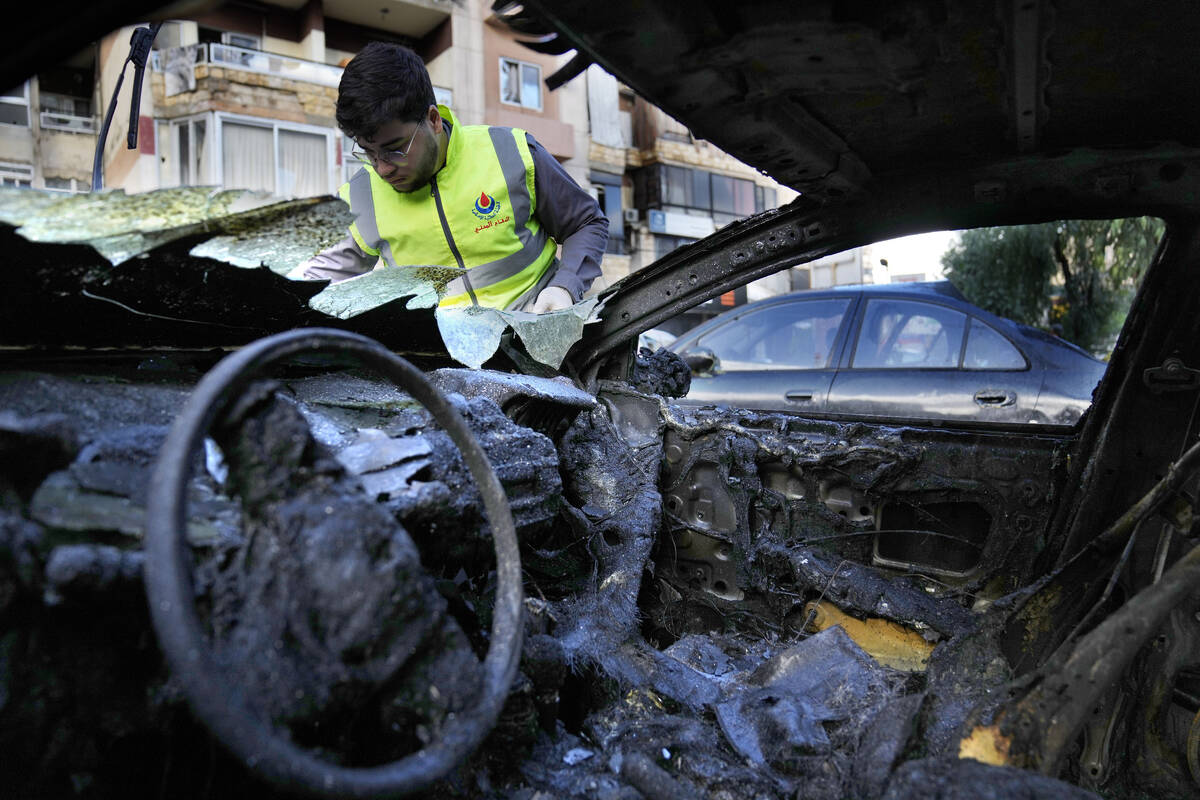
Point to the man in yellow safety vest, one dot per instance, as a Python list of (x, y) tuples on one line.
[(489, 200)]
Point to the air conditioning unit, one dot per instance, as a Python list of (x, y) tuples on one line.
[(631, 215)]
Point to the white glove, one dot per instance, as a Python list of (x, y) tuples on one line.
[(552, 298)]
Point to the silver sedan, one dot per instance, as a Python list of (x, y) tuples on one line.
[(891, 351)]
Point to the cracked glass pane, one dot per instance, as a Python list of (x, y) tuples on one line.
[(121, 225), (280, 236), (548, 337), (349, 298), (247, 230), (472, 334)]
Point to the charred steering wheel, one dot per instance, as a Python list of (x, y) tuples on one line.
[(170, 592)]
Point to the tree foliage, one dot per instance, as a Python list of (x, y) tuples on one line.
[(1075, 277)]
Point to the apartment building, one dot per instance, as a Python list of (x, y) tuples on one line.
[(242, 96), (48, 127)]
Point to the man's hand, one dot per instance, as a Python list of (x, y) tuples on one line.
[(552, 298)]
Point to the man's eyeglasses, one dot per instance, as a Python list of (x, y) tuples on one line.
[(390, 156)]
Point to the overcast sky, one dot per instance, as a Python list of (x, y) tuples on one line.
[(910, 254)]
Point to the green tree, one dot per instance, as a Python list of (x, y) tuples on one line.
[(1075, 277)]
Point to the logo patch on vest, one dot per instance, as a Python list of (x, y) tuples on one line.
[(486, 207)]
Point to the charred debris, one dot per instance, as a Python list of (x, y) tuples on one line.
[(354, 576), (526, 581), (715, 603)]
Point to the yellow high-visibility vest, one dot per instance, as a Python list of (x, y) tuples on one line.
[(476, 213)]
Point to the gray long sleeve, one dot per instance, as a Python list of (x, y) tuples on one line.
[(344, 260), (573, 218), (570, 215)]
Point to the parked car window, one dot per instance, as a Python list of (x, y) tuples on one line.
[(988, 349), (795, 335), (904, 333)]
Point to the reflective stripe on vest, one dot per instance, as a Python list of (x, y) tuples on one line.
[(507, 253), (368, 228)]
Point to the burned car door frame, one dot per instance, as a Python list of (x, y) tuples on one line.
[(767, 243)]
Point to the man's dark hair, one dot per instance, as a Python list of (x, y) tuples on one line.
[(382, 83)]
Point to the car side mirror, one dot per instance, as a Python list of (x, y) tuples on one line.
[(701, 360)]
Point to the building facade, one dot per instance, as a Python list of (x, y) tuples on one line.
[(242, 96)]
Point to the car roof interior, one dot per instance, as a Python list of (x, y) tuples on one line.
[(832, 99)]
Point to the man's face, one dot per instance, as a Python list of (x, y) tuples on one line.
[(405, 153)]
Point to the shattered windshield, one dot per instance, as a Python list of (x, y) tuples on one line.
[(215, 262)]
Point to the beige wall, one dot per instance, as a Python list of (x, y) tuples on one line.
[(67, 155), (573, 111), (550, 126), (16, 144), (285, 47), (461, 63), (441, 73), (119, 161)]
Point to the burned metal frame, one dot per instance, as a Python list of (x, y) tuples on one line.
[(1100, 184), (1122, 450), (1037, 728)]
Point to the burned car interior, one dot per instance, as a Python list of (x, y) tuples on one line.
[(258, 537)]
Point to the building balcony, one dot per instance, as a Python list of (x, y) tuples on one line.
[(179, 63), (54, 121), (203, 78)]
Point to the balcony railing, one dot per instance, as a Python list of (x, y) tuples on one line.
[(53, 120), (226, 55)]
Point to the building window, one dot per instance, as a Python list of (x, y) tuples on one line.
[(723, 197), (66, 113), (764, 198), (243, 40), (65, 104), (608, 194), (732, 196), (65, 185), (190, 166), (65, 99), (14, 106), (227, 48), (18, 175), (259, 155), (665, 244), (673, 130), (284, 161), (520, 84), (301, 163)]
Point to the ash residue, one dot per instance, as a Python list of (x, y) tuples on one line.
[(968, 678), (661, 372), (437, 499), (83, 571), (352, 600), (618, 510), (777, 720), (965, 779), (327, 604)]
